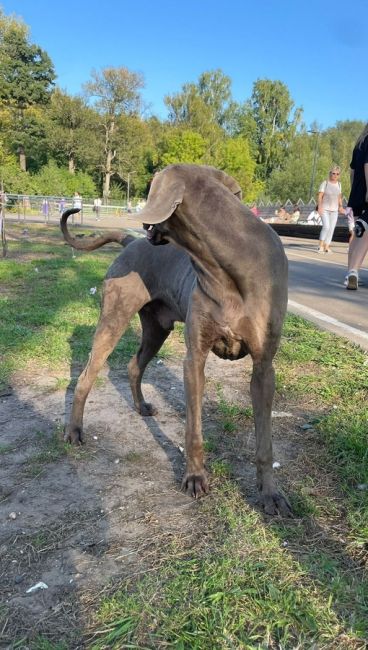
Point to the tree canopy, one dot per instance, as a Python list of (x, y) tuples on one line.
[(104, 139)]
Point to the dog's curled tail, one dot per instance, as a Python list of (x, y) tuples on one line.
[(89, 243)]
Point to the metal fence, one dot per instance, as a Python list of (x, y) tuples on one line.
[(268, 210), (23, 207)]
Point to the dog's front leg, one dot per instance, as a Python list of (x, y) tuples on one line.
[(262, 389), (195, 480)]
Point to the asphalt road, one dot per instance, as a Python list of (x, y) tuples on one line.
[(317, 292)]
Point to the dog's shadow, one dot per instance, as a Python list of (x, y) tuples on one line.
[(81, 343)]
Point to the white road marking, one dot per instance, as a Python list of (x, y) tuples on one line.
[(315, 258), (309, 254), (328, 319)]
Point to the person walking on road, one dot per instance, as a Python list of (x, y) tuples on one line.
[(329, 206), (358, 201), (77, 201), (97, 203)]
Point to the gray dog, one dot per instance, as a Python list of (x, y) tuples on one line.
[(225, 277)]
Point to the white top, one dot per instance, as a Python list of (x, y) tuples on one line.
[(77, 202), (331, 193)]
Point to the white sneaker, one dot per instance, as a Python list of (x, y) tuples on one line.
[(319, 250), (352, 280)]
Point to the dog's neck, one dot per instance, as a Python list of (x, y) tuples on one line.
[(217, 271)]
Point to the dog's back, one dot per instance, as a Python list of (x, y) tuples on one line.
[(166, 271)]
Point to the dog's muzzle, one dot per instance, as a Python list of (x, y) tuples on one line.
[(149, 231), (154, 235)]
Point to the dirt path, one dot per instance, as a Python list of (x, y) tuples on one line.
[(79, 520)]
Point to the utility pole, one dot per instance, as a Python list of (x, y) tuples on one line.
[(128, 188), (316, 133), (4, 243)]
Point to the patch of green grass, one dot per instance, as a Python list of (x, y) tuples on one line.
[(41, 643), (240, 589), (39, 540), (51, 449), (133, 457), (209, 444), (337, 380), (5, 449), (62, 383), (334, 370), (231, 413), (220, 468), (47, 312)]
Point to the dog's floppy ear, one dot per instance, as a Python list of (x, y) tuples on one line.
[(227, 180), (166, 193)]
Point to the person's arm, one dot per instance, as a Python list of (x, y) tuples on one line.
[(366, 180), (320, 198), (341, 207)]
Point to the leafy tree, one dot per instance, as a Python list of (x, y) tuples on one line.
[(214, 88), (183, 146), (205, 106), (342, 138), (72, 132), (233, 156), (14, 180), (26, 77), (116, 93), (187, 109), (293, 181), (52, 180), (275, 125), (134, 153)]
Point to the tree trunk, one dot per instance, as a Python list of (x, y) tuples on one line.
[(22, 158), (106, 185), (71, 165), (110, 155)]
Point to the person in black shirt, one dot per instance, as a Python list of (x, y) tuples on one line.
[(358, 201)]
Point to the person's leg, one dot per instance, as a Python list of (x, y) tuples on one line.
[(357, 252), (324, 230), (332, 220)]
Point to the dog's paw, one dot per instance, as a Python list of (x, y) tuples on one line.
[(73, 436), (145, 409), (195, 484), (276, 504)]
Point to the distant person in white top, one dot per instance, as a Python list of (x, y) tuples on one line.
[(329, 206), (314, 218), (295, 215), (77, 201), (97, 203)]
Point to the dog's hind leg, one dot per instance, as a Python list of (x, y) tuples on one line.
[(262, 388), (153, 337), (122, 298)]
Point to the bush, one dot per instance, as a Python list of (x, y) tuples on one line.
[(52, 180)]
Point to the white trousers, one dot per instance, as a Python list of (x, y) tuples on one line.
[(329, 220)]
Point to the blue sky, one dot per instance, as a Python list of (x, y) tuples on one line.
[(318, 49)]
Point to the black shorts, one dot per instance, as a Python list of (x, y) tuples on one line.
[(359, 209)]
